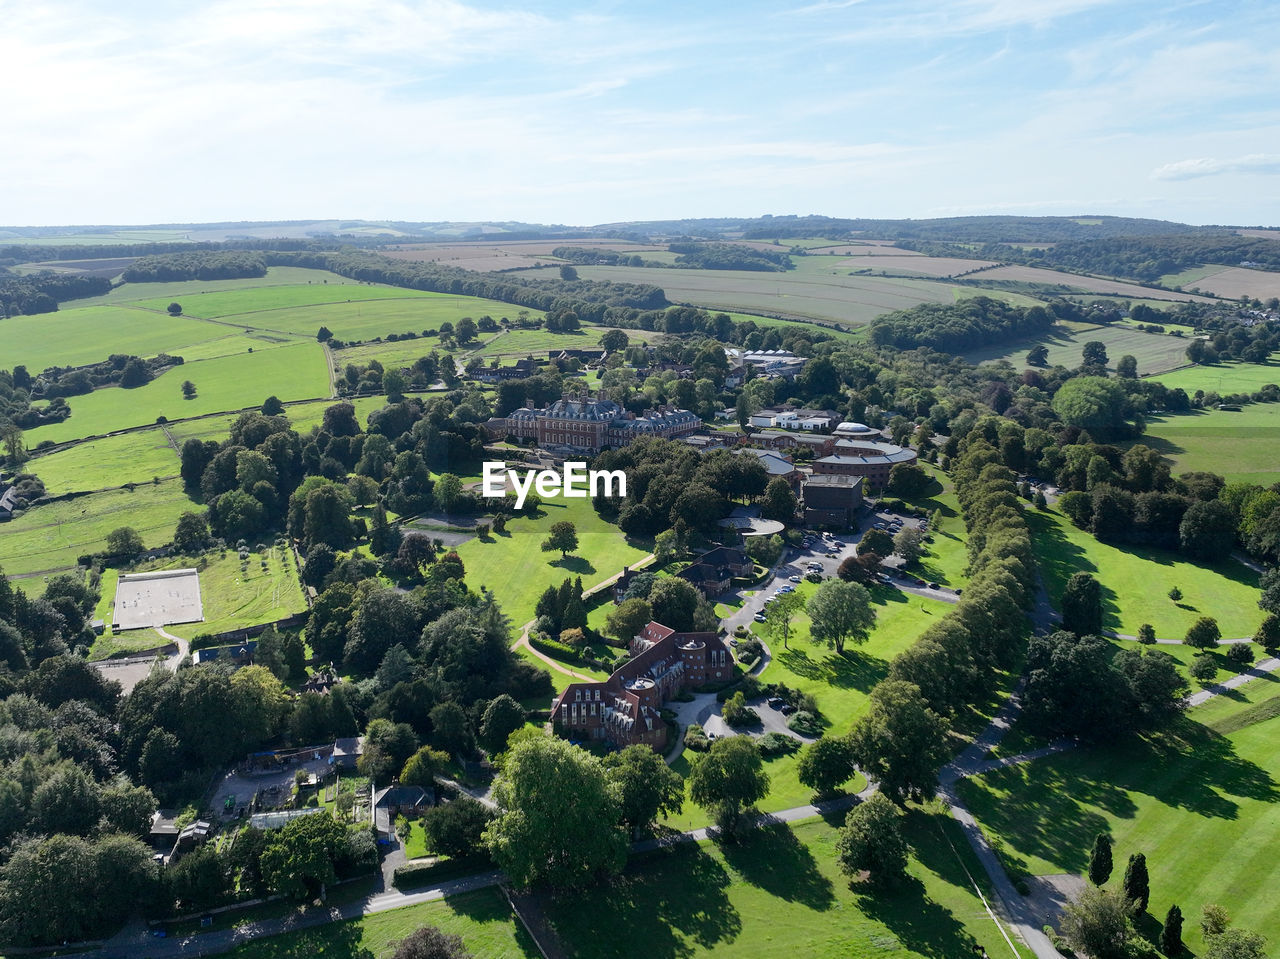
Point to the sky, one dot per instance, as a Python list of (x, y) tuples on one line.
[(157, 111)]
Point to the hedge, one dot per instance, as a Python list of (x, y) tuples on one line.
[(412, 875), (555, 648)]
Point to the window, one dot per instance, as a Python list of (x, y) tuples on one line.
[(577, 695), (593, 709), (597, 695)]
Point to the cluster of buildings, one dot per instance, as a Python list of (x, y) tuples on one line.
[(591, 424), (624, 710)]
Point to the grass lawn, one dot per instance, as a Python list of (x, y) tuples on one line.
[(1201, 802), (52, 536), (483, 919), (1223, 377), (233, 598), (110, 461), (226, 383), (166, 293), (779, 893), (947, 557), (261, 299), (1240, 446), (1136, 581), (513, 565), (1155, 352)]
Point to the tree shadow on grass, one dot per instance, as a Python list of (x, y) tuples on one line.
[(919, 924), (853, 670), (339, 939), (486, 907), (1060, 559), (574, 564), (666, 905), (774, 860)]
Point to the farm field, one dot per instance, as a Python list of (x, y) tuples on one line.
[(262, 299), (84, 335), (1155, 352), (52, 536), (1136, 581), (1231, 282), (365, 319), (110, 461), (603, 550), (276, 276), (1088, 284), (850, 300), (1222, 377), (839, 333), (233, 596), (518, 254), (483, 919), (225, 383), (1240, 446), (883, 259), (302, 416), (1200, 801), (779, 893)]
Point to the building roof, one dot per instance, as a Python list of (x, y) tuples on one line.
[(774, 464), (876, 454), (725, 555), (832, 479), (279, 817)]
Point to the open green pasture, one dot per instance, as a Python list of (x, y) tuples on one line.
[(84, 335), (779, 893), (840, 334), (849, 300), (168, 292), (946, 559), (483, 919), (52, 536), (224, 383), (266, 299), (1223, 378), (513, 566), (1155, 352), (1243, 446), (1200, 801), (1136, 581), (234, 595), (106, 462)]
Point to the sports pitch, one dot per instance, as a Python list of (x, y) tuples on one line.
[(144, 600)]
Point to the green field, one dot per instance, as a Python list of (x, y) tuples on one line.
[(52, 536), (1189, 278), (1155, 352), (107, 462), (1201, 802), (233, 597), (226, 383), (257, 299), (946, 559), (1242, 446), (1223, 377), (483, 919), (514, 567), (779, 893), (168, 292), (1136, 581), (849, 300)]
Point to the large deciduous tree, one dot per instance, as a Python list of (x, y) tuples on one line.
[(871, 841), (645, 785), (563, 538), (841, 613), (1082, 605), (900, 742), (728, 780)]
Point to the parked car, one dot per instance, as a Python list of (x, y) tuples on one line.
[(788, 709), (760, 617), (786, 589), (933, 585), (793, 579), (833, 555), (776, 702)]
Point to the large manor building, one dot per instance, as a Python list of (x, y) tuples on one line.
[(624, 709), (583, 423)]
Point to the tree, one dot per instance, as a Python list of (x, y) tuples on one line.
[(1171, 932), (272, 406), (568, 272), (627, 619), (876, 541), (15, 449), (909, 544), (324, 334), (191, 534), (645, 785), (420, 769), (175, 309), (900, 742), (674, 602), (908, 480), (428, 942), (1094, 353), (841, 613), (1207, 531), (1204, 668), (188, 390), (1082, 605), (564, 537), (1269, 584), (1097, 924), (737, 713), (779, 502), (502, 717), (779, 614), (134, 374), (871, 841), (1237, 944), (1268, 634), (327, 516), (450, 729), (560, 821), (1175, 594), (1213, 920), (1096, 404), (1203, 634), (826, 765), (727, 780), (1038, 356), (1127, 367), (1100, 862), (1146, 634), (456, 828), (448, 491), (1137, 884), (124, 542), (614, 340), (298, 861)]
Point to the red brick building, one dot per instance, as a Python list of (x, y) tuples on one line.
[(623, 709)]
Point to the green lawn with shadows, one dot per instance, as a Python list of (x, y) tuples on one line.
[(1240, 445), (1201, 801)]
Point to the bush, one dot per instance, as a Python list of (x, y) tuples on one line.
[(1240, 655), (696, 739), (1203, 668), (736, 712), (554, 649), (777, 744), (805, 723), (412, 875)]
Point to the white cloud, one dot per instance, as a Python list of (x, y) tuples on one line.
[(1260, 163)]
